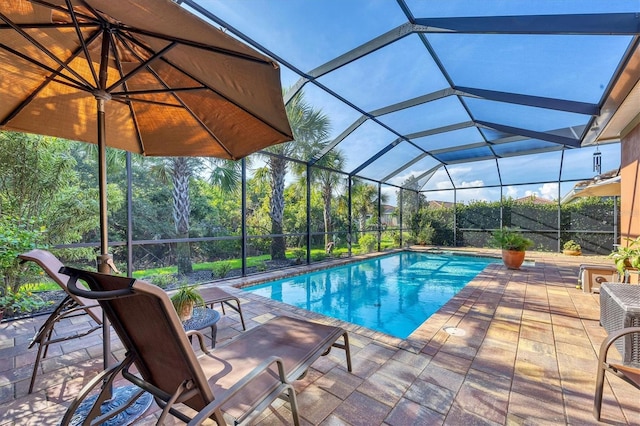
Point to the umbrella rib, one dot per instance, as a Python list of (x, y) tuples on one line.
[(202, 46), (126, 99), (49, 26), (82, 42), (43, 49), (140, 67), (134, 117), (156, 91)]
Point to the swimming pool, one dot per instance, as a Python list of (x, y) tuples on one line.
[(392, 294)]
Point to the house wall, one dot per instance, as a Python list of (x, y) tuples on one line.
[(630, 185)]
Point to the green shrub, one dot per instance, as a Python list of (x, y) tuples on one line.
[(16, 236), (318, 256), (368, 243), (21, 302), (221, 269), (425, 234), (299, 254), (164, 280)]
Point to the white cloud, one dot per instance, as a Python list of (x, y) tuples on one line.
[(512, 192), (477, 182), (549, 190)]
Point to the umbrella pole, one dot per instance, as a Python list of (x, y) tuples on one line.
[(104, 257), (110, 399)]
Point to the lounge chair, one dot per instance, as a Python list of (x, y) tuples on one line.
[(629, 372), (71, 306), (237, 380)]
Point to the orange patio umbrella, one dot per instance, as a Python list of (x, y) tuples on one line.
[(145, 76)]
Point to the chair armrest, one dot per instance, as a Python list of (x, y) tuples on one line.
[(200, 339), (220, 399), (604, 347)]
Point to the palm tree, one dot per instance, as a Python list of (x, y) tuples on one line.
[(328, 181), (364, 202), (309, 127), (180, 170), (226, 174)]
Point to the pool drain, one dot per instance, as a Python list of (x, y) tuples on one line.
[(454, 331)]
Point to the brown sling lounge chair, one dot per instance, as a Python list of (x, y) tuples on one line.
[(70, 306), (236, 381)]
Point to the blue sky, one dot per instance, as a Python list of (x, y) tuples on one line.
[(307, 34)]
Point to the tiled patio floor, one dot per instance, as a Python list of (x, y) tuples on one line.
[(528, 356)]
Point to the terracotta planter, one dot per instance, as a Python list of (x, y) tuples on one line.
[(186, 312), (572, 252), (512, 259)]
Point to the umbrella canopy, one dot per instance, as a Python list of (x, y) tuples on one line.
[(173, 85), (145, 76)]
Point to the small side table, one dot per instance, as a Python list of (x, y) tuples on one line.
[(591, 277), (203, 318)]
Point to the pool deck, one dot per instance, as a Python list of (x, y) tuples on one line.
[(526, 354)]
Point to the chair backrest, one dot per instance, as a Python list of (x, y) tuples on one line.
[(51, 265), (148, 326)]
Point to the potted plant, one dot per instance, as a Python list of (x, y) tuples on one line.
[(513, 245), (184, 301), (571, 248), (627, 257)]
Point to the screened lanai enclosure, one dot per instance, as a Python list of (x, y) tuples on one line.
[(414, 122)]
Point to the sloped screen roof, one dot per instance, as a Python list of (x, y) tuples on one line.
[(416, 88)]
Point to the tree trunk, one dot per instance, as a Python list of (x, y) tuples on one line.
[(278, 170), (181, 211), (326, 195)]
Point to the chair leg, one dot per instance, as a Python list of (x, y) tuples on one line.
[(46, 345), (293, 401), (44, 338), (238, 309), (597, 400), (214, 335), (35, 367)]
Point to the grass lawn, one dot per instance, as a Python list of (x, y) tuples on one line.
[(219, 265)]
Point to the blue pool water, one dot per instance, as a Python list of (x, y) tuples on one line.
[(392, 294)]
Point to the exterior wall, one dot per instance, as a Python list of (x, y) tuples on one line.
[(630, 185)]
